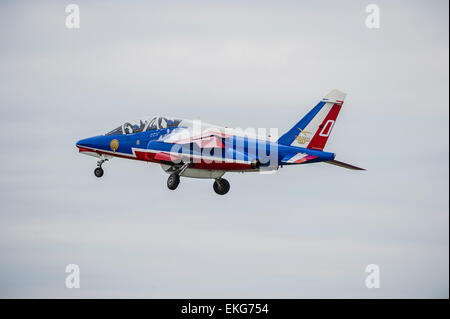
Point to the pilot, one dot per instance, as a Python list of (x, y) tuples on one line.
[(162, 122), (128, 128)]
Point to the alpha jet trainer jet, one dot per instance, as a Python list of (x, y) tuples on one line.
[(198, 150)]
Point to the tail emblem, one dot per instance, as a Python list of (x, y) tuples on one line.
[(302, 137)]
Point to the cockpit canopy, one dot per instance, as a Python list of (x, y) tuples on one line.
[(156, 123)]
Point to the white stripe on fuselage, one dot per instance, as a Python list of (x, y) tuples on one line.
[(296, 157)]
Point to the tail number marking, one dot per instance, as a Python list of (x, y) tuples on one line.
[(326, 129)]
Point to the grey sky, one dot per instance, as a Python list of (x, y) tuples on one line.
[(303, 232)]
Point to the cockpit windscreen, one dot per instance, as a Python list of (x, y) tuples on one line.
[(157, 122)]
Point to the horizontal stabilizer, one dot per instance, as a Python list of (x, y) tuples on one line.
[(345, 165)]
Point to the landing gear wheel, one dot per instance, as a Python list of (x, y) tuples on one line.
[(98, 172), (221, 186), (173, 181)]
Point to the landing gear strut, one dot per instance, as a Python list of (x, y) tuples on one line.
[(99, 170), (174, 179), (221, 186)]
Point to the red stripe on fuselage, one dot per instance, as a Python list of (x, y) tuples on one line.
[(216, 164), (305, 159)]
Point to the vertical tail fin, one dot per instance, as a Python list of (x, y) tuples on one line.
[(313, 130)]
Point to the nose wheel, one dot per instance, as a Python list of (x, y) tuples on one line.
[(98, 172), (221, 186)]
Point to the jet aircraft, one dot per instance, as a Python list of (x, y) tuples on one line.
[(194, 149)]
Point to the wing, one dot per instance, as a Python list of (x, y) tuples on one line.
[(181, 145)]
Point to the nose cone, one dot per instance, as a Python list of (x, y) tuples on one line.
[(86, 142), (92, 142)]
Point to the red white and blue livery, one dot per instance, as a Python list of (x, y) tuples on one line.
[(194, 149)]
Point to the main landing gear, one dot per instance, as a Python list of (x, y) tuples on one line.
[(99, 170), (174, 179), (221, 186)]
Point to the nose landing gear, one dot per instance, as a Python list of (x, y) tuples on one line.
[(99, 170)]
